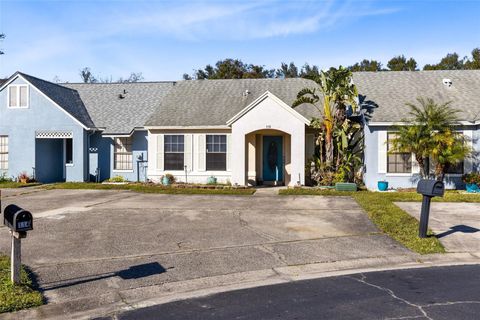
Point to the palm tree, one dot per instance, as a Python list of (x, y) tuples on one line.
[(431, 133), (338, 91)]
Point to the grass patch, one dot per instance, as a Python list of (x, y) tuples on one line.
[(149, 188), (13, 184), (391, 219), (16, 297)]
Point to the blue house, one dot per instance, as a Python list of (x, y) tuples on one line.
[(240, 131), (75, 132)]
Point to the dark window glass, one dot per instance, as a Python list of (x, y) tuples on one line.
[(397, 162), (173, 149), (216, 152), (69, 151), (455, 169)]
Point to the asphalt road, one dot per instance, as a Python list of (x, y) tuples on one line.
[(425, 293)]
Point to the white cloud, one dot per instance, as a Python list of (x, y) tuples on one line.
[(222, 20)]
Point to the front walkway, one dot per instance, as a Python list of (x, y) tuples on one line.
[(457, 225), (103, 244)]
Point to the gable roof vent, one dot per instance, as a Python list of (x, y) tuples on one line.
[(447, 82)]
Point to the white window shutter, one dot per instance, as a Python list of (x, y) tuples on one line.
[(415, 165), (309, 146), (229, 152), (382, 151), (187, 152), (160, 152), (468, 163), (201, 152)]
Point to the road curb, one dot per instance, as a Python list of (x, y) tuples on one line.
[(123, 300)]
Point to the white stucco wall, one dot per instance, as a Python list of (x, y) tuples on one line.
[(268, 114)]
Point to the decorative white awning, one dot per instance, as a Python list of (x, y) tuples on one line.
[(53, 134)]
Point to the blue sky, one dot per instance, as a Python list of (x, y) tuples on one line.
[(164, 39)]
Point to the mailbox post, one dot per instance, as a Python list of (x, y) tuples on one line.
[(429, 189), (19, 221)]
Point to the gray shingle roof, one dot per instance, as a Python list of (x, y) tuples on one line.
[(391, 90), (214, 102), (121, 115), (66, 98)]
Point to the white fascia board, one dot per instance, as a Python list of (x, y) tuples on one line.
[(387, 124), (186, 127), (48, 98), (257, 101)]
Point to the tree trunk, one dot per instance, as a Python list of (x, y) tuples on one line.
[(420, 162), (329, 149)]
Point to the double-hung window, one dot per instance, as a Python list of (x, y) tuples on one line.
[(18, 96), (3, 152), (397, 162), (216, 152), (122, 155), (174, 147)]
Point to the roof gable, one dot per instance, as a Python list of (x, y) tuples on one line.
[(64, 98), (259, 100)]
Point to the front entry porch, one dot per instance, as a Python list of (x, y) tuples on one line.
[(268, 158)]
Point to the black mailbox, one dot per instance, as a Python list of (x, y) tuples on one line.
[(431, 188), (17, 219)]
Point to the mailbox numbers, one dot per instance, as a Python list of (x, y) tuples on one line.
[(23, 224)]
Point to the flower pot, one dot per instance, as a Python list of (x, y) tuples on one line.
[(165, 181), (472, 187), (382, 185), (212, 180)]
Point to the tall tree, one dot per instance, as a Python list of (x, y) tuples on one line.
[(451, 61), (400, 63), (336, 92), (287, 71), (231, 69), (87, 75), (474, 63), (366, 65), (309, 71)]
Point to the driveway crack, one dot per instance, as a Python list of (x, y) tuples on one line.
[(390, 292), (244, 223)]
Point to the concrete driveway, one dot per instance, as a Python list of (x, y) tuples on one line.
[(457, 225), (92, 242)]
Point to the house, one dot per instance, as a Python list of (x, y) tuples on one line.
[(240, 131)]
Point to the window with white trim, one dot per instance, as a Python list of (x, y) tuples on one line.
[(3, 152), (397, 162), (216, 152), (174, 147), (122, 155), (18, 96)]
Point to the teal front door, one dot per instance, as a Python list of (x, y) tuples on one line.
[(272, 158)]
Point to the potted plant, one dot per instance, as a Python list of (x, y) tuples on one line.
[(471, 180), (382, 185), (23, 177), (211, 180), (168, 179)]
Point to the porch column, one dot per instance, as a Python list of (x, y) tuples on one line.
[(298, 157), (238, 157)]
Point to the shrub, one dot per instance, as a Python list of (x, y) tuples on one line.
[(4, 178), (471, 178), (117, 179), (24, 176)]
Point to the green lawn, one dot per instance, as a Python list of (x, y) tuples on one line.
[(391, 219), (16, 297), (148, 188), (12, 184)]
